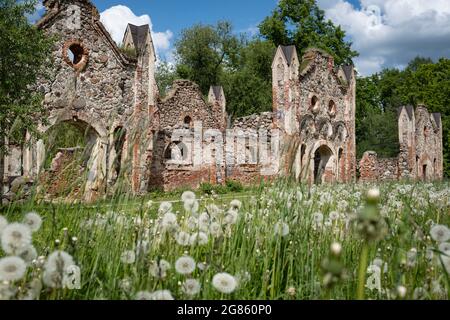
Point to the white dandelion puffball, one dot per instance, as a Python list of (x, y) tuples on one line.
[(446, 260), (3, 224), (281, 229), (12, 269), (144, 295), (373, 194), (162, 295), (29, 254), (128, 257), (334, 215), (318, 218), (236, 204), (159, 269), (191, 206), (59, 260), (191, 287), (401, 291), (224, 283), (16, 237), (185, 265), (231, 217), (336, 248), (199, 238), (169, 221), (33, 221), (444, 247), (149, 204), (183, 238), (215, 229), (188, 196), (440, 233), (165, 207)]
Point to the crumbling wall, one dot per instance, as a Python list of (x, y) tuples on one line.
[(318, 105), (254, 122), (185, 105), (374, 169)]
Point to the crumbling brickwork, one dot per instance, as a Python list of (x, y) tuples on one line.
[(421, 153), (314, 104)]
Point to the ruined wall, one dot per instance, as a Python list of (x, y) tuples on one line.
[(420, 156), (319, 109), (254, 122), (94, 86), (167, 174), (185, 104), (374, 169)]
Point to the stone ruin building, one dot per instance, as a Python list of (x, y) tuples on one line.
[(421, 150), (105, 90)]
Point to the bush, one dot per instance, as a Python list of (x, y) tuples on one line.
[(234, 186), (206, 188)]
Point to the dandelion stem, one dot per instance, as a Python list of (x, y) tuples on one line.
[(362, 271)]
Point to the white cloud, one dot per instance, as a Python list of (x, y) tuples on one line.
[(389, 33), (117, 18), (39, 11)]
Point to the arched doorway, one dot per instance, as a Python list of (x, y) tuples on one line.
[(72, 153), (322, 157)]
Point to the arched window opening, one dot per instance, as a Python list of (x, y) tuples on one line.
[(341, 165), (75, 53), (331, 108), (176, 151), (321, 158), (187, 122), (119, 142), (314, 107)]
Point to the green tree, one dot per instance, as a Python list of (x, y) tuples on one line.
[(165, 75), (203, 51), (248, 84), (303, 23), (23, 51)]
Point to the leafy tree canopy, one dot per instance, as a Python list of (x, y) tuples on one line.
[(303, 23)]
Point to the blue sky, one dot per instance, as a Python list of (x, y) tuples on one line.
[(386, 33)]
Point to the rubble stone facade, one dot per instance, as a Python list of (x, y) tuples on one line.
[(421, 150), (111, 94)]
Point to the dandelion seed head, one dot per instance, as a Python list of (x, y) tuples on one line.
[(281, 229), (12, 269), (236, 205), (336, 248), (162, 295), (165, 207), (128, 257), (183, 238), (29, 254), (401, 291), (440, 233), (143, 295), (16, 237), (188, 196), (3, 224), (185, 265), (199, 238), (224, 283), (191, 287)]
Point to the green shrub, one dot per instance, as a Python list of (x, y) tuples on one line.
[(234, 186)]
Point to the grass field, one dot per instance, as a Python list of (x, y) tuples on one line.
[(280, 241)]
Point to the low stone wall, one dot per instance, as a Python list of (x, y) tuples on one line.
[(372, 169), (388, 169)]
